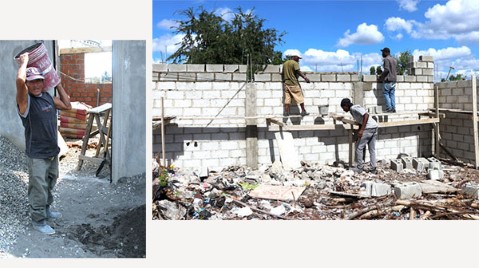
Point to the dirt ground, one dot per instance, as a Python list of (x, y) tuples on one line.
[(100, 219)]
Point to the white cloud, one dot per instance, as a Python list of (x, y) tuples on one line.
[(456, 19), (335, 61), (461, 58), (167, 24), (167, 44), (365, 35), (226, 13), (399, 36), (397, 24), (448, 53), (408, 5)]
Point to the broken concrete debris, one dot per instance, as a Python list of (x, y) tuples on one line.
[(315, 191)]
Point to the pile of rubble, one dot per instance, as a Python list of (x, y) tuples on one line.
[(404, 188)]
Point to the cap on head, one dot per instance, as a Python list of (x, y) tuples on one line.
[(295, 55), (33, 73), (345, 102), (386, 49)]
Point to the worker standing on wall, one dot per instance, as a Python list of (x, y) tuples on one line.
[(291, 85), (367, 135), (38, 112), (389, 79)]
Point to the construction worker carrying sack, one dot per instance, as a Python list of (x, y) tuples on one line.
[(38, 111), (291, 85)]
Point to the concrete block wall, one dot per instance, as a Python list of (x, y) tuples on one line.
[(72, 66), (456, 94), (191, 91), (456, 129)]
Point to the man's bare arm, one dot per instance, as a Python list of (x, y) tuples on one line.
[(63, 101), (22, 89)]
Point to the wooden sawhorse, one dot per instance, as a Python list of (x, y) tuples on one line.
[(104, 130)]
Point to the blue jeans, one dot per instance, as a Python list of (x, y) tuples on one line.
[(389, 94)]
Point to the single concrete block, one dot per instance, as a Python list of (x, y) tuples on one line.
[(369, 78), (272, 69), (177, 68), (407, 162), (434, 163), (231, 68), (427, 71), (343, 77), (425, 58), (420, 164), (329, 78), (226, 77), (161, 68), (214, 68), (205, 76), (417, 71), (239, 77), (195, 68), (396, 165), (381, 189), (410, 78), (263, 77), (407, 190), (400, 78), (354, 77), (470, 190), (434, 174), (315, 77), (420, 64), (422, 78), (378, 109)]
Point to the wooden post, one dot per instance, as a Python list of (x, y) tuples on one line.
[(251, 130), (475, 119), (436, 126), (350, 146), (163, 135)]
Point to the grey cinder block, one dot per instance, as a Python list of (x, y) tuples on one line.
[(407, 190)]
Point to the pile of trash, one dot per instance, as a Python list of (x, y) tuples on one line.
[(316, 192)]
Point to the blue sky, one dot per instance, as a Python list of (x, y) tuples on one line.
[(337, 35)]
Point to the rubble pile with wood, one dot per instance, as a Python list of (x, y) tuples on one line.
[(436, 191)]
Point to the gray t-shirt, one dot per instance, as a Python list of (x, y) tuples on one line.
[(390, 66), (357, 112)]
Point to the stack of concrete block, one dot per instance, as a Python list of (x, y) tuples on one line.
[(422, 69), (435, 171)]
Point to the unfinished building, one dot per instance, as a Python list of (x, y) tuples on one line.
[(214, 117)]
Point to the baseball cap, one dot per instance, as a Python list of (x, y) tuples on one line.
[(386, 49), (33, 73)]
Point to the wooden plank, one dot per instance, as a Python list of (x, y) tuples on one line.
[(408, 122), (302, 127), (436, 126), (100, 109), (475, 120), (288, 155), (273, 192)]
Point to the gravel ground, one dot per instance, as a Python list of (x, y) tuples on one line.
[(99, 219)]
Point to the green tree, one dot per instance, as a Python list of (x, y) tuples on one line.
[(456, 77), (402, 62), (209, 39), (372, 70), (379, 70)]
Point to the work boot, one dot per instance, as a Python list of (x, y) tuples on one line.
[(42, 227), (372, 170), (304, 113), (53, 214)]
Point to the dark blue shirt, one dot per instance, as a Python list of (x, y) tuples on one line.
[(40, 122)]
